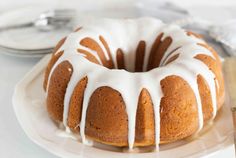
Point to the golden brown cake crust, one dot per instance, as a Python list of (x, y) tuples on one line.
[(54, 58), (106, 119), (57, 90), (75, 108)]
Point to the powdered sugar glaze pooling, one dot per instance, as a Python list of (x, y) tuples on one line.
[(125, 35)]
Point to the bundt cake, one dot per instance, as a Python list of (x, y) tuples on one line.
[(133, 82)]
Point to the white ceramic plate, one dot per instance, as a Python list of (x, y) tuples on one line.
[(28, 38), (30, 109)]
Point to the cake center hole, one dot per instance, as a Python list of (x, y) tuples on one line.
[(139, 61)]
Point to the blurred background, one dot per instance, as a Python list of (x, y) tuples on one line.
[(10, 4), (21, 40), (214, 5)]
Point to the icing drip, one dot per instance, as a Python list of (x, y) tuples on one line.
[(123, 36)]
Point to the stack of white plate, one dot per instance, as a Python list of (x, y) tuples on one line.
[(28, 41)]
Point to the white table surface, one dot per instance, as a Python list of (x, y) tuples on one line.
[(13, 142)]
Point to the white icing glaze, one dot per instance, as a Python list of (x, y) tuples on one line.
[(126, 34)]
